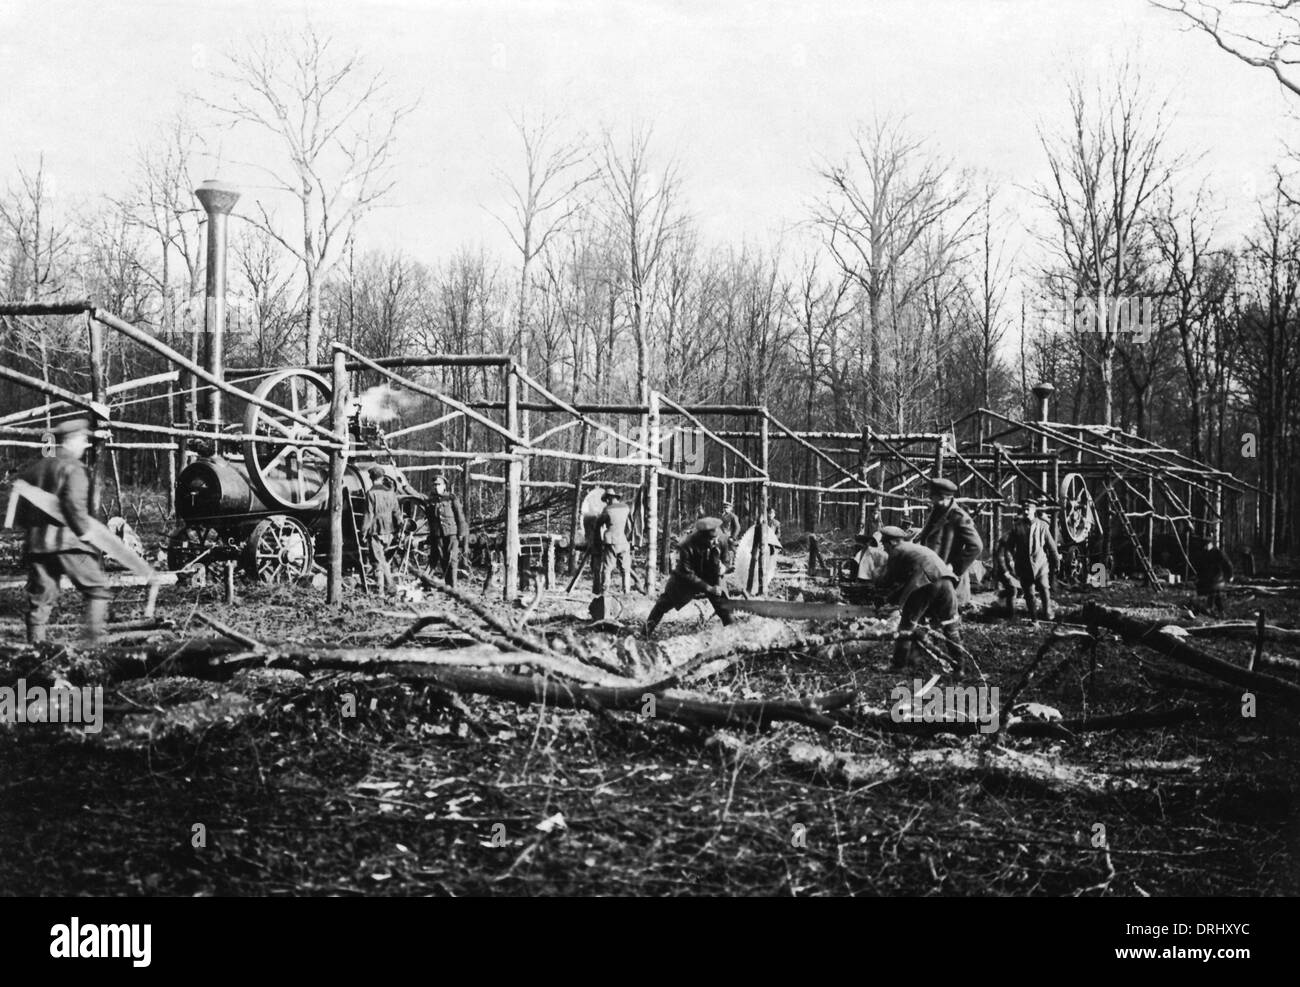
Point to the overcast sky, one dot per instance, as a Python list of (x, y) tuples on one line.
[(747, 95)]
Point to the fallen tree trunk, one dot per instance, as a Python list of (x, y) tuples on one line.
[(218, 657), (1170, 646), (885, 721), (999, 763), (650, 704), (1242, 631)]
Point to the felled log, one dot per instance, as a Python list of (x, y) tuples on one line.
[(716, 647), (1151, 636), (885, 721), (644, 700), (217, 657), (1242, 631), (999, 763)]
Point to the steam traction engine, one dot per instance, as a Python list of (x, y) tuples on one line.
[(264, 505)]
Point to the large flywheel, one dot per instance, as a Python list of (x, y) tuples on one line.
[(1077, 510), (292, 474)]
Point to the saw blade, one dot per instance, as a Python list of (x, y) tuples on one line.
[(797, 610)]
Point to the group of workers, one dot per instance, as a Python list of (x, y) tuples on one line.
[(927, 575), (447, 524)]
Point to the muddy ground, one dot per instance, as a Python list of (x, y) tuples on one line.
[(413, 795)]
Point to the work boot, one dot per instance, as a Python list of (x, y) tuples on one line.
[(35, 632), (95, 619)]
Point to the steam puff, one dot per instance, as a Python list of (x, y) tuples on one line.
[(383, 403)]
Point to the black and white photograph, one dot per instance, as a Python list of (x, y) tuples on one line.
[(650, 449)]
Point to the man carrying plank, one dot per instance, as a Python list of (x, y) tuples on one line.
[(55, 546)]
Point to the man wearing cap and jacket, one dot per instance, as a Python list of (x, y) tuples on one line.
[(1035, 558), (383, 521), (700, 569), (447, 529), (611, 531), (950, 533), (52, 548), (924, 586)]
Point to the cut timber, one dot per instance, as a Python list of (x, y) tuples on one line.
[(1171, 647), (997, 763), (1242, 631), (716, 646)]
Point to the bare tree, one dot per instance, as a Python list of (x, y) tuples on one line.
[(544, 199), (1262, 33), (336, 126), (162, 203), (1106, 167), (644, 216), (881, 202)]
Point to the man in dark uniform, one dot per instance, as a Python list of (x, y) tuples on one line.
[(52, 549), (1213, 573), (383, 521), (447, 528), (700, 569), (950, 533), (923, 584), (612, 528), (1035, 558), (731, 528)]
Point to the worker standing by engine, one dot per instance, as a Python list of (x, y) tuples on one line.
[(383, 521), (447, 529), (923, 585), (54, 548), (950, 533)]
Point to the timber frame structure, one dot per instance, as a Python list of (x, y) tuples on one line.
[(1110, 494)]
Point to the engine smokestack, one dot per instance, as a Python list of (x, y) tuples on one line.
[(217, 199), (1043, 392)]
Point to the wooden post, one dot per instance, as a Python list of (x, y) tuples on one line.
[(98, 394), (864, 505), (230, 582), (338, 463), (652, 495), (175, 460), (1151, 520), (514, 489), (764, 493), (669, 513)]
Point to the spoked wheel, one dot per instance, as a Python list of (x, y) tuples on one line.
[(409, 552), (199, 549), (292, 474), (278, 551), (1077, 511)]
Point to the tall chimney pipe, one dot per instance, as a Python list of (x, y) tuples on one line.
[(217, 199), (1043, 392)]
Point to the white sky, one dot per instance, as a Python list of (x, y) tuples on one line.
[(748, 95)]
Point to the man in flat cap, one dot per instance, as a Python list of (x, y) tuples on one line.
[(730, 528), (1035, 558), (700, 569), (924, 586), (383, 521), (447, 529), (612, 529), (950, 533), (55, 548)]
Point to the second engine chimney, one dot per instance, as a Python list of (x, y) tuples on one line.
[(1043, 392), (217, 199)]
